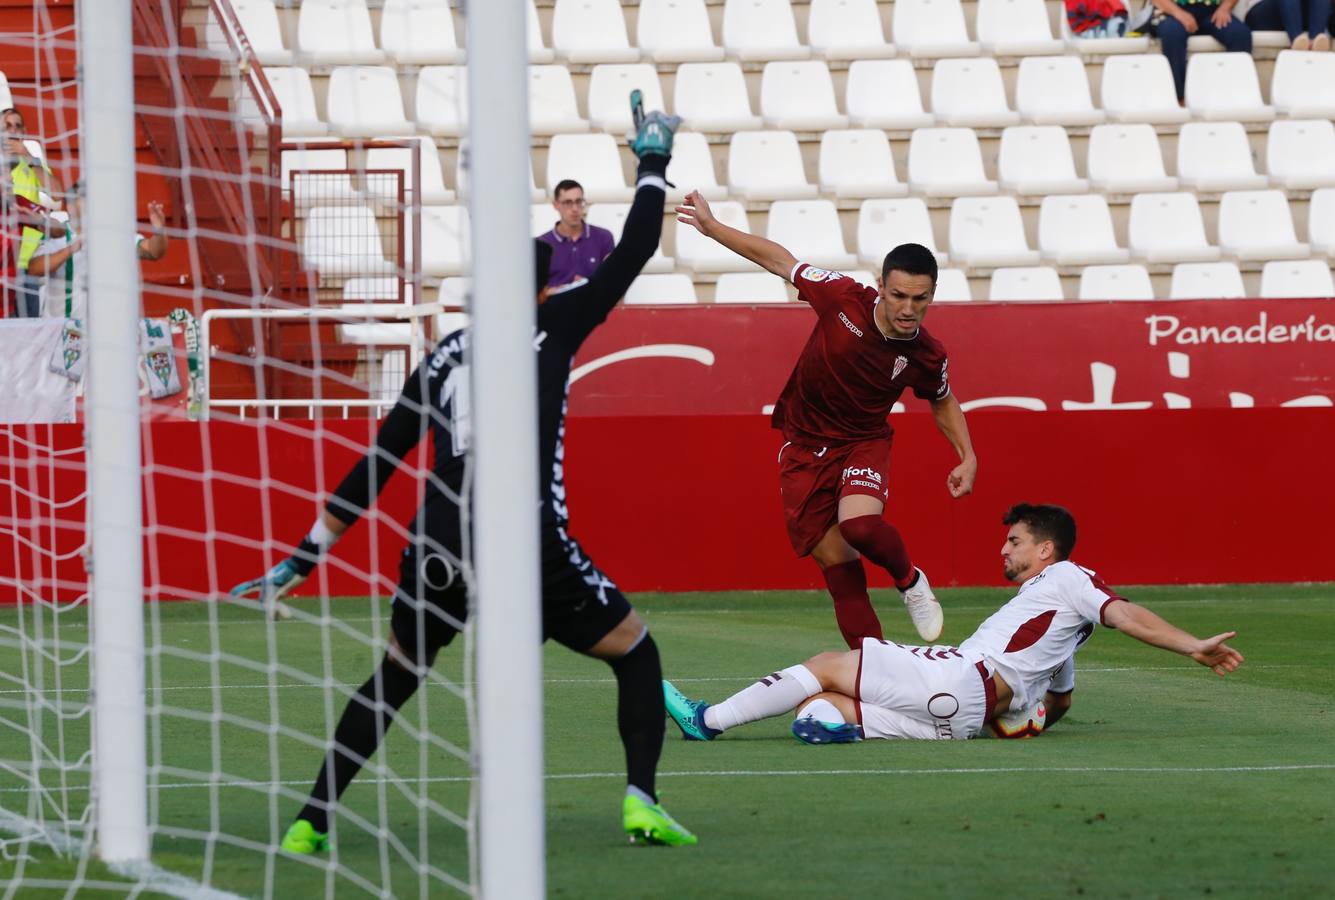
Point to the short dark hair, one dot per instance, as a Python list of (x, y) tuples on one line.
[(1048, 522), (542, 264), (914, 259), (566, 184)]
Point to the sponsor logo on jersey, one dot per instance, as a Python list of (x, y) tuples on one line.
[(811, 273), (900, 363), (851, 327), (865, 472)]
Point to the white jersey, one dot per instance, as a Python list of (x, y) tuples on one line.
[(1030, 639), (65, 288)]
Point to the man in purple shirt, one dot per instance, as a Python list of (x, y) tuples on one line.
[(578, 248)]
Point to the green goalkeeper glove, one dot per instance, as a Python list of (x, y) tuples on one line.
[(271, 587), (653, 132)]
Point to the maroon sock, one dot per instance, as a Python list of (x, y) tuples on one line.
[(881, 543), (852, 607)]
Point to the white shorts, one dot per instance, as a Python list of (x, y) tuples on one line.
[(921, 693)]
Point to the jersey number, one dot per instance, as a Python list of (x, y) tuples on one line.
[(455, 400)]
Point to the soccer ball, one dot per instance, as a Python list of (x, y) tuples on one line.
[(1026, 723)]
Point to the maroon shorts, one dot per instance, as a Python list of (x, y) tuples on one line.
[(812, 479)]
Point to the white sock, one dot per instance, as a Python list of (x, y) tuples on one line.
[(772, 695), (822, 711)]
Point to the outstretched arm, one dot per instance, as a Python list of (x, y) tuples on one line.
[(773, 257), (1144, 625), (950, 421), (155, 245)]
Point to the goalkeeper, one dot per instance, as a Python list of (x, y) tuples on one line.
[(582, 607)]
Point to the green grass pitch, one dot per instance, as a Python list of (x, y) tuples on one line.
[(1163, 781)]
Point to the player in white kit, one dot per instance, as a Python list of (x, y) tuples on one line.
[(1022, 654)]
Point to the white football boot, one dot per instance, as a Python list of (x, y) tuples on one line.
[(923, 608)]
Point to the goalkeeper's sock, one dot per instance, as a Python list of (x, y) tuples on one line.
[(773, 695), (881, 543), (853, 611), (364, 723), (640, 712)]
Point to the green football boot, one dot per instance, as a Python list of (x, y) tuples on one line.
[(651, 824), (302, 838)]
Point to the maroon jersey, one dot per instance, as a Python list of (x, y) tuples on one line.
[(849, 373)]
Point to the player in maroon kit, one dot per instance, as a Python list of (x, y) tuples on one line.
[(868, 346)]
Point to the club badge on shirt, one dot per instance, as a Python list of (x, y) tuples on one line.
[(900, 363)]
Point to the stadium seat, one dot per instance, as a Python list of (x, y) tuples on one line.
[(750, 287), (885, 224), (434, 192), (334, 188), (767, 165), (883, 93), (674, 288), (259, 21), (1257, 225), (419, 33), (442, 100), (1216, 156), (1028, 283), (1077, 231), (713, 97), (5, 95), (591, 31), (1206, 281), (1055, 91), (371, 290), (609, 88), (755, 30), (1037, 160), (1102, 46), (676, 31), (1297, 278), (296, 98), (1168, 228), (594, 160), (1300, 153), (1126, 159), (969, 92), (612, 216), (1015, 28), (371, 332), (364, 101), (987, 232), (692, 168), (461, 176), (952, 287), (538, 52), (947, 162), (1302, 85), (799, 96), (810, 230), (336, 32), (931, 29), (1139, 88), (452, 292), (552, 108), (343, 241), (857, 163), (1225, 86), (698, 253), (444, 240), (1321, 221), (847, 29), (542, 218), (1129, 282), (863, 277)]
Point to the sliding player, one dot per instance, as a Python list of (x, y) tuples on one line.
[(582, 608), (868, 346), (1021, 654)]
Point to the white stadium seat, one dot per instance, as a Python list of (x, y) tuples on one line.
[(863, 277), (672, 288), (1225, 86), (761, 29), (750, 287), (676, 31), (1206, 281), (1297, 278), (1257, 225), (1168, 228), (1300, 153), (1216, 156), (541, 218), (858, 163), (947, 162), (591, 31), (885, 224), (434, 192), (419, 33), (296, 98), (1129, 282), (1102, 46), (799, 96), (767, 165), (321, 190), (336, 32), (259, 21), (609, 90), (1036, 160), (810, 230), (1015, 28), (343, 240), (883, 93), (1126, 159), (1054, 90), (713, 97), (612, 216), (1139, 88), (952, 286), (552, 108), (538, 52), (970, 92), (444, 240), (692, 167), (987, 232), (697, 253), (847, 29), (364, 101), (8, 98), (461, 175), (1077, 231), (594, 161), (367, 290), (931, 29), (442, 100), (1303, 85), (1321, 221), (1025, 283)]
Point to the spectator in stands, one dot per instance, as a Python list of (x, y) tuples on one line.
[(16, 215), (28, 177), (1305, 21), (1184, 18), (578, 248)]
